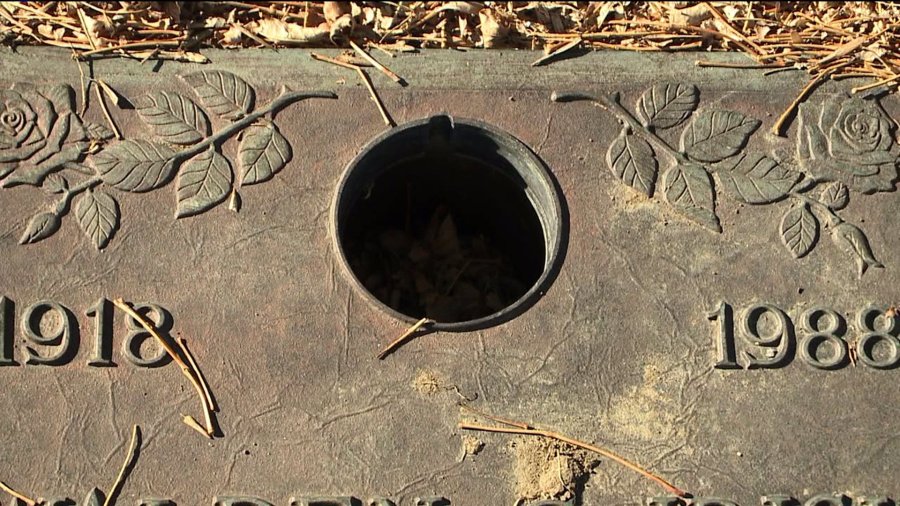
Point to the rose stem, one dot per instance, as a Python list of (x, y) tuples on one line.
[(17, 495), (282, 100), (190, 356), (384, 114), (132, 450), (611, 103), (527, 430), (63, 203), (185, 369), (400, 340), (833, 218)]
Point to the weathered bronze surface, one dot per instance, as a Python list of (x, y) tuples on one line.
[(715, 303)]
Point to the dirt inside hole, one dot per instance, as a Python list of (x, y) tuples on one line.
[(451, 240)]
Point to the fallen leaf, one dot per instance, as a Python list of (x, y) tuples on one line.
[(492, 30), (277, 30)]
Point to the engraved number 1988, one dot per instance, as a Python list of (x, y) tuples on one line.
[(768, 338)]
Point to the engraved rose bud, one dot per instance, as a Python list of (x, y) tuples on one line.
[(851, 238), (39, 133), (849, 140)]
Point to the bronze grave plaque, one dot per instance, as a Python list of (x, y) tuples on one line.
[(609, 280)]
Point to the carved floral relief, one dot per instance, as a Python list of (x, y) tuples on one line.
[(45, 143), (843, 145)]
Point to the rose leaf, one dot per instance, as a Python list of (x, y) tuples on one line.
[(667, 105), (94, 498), (799, 230), (41, 226), (631, 159), (135, 165), (715, 135), (173, 117), (223, 93), (203, 182), (262, 153), (835, 195), (98, 216), (689, 188), (755, 179)]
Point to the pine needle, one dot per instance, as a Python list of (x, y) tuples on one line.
[(403, 337), (211, 401), (525, 429), (185, 368), (132, 451), (6, 488)]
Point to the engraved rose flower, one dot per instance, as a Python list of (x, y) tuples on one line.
[(39, 133), (849, 140)]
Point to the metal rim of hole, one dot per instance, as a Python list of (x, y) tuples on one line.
[(543, 193)]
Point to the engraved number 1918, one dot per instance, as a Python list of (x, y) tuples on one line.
[(51, 334)]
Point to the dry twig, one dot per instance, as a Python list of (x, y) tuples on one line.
[(388, 72), (105, 109), (779, 126), (403, 337), (552, 56), (381, 109), (333, 61)]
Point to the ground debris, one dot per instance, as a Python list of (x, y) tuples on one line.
[(548, 469), (522, 429), (813, 36), (427, 383), (471, 445)]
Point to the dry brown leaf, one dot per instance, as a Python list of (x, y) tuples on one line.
[(173, 10), (51, 33), (341, 26), (493, 30), (689, 16), (463, 7), (277, 30), (335, 10), (232, 36)]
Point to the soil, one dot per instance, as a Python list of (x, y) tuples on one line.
[(427, 383), (549, 469)]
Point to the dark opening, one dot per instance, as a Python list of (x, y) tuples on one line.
[(453, 239), (446, 228)]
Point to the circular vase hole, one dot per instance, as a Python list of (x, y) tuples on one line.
[(449, 219)]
